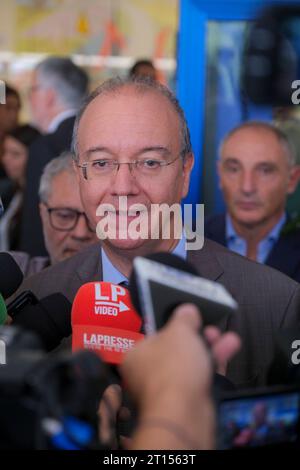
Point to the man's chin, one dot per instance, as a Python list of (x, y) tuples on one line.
[(249, 219)]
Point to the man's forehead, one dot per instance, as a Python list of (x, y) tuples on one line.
[(133, 113), (253, 136), (253, 144), (135, 100), (64, 187)]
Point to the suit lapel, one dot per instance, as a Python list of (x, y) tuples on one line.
[(285, 254), (207, 265), (205, 262), (91, 268)]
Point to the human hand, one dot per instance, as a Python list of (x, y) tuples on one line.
[(169, 375)]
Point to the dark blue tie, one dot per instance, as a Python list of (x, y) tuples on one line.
[(124, 284)]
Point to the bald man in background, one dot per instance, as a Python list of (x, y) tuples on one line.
[(257, 171)]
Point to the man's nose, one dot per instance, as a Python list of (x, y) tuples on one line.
[(123, 181), (81, 231), (248, 183)]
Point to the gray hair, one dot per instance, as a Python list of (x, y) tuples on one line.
[(68, 80), (286, 144), (56, 166), (141, 85)]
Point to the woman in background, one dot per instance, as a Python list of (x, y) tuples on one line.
[(14, 160), (9, 119)]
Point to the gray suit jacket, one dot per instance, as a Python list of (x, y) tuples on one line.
[(268, 300)]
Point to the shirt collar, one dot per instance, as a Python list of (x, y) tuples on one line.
[(179, 249), (111, 274), (54, 124), (230, 232), (273, 235)]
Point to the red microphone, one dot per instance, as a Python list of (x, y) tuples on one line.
[(105, 321)]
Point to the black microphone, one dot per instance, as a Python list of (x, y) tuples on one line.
[(11, 276), (165, 281), (49, 318), (162, 281), (167, 259), (22, 300)]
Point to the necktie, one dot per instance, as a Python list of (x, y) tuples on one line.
[(124, 284)]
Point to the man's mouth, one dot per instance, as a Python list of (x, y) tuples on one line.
[(248, 205)]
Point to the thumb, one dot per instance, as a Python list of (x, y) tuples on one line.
[(189, 315)]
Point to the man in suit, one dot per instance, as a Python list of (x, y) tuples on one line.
[(257, 171), (57, 90), (131, 140)]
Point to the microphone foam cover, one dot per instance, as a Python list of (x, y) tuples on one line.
[(104, 321), (3, 311)]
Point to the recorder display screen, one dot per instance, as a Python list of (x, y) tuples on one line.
[(259, 421)]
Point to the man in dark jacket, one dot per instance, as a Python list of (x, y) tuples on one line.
[(57, 90), (257, 171)]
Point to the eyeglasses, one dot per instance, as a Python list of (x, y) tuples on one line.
[(65, 220), (146, 168)]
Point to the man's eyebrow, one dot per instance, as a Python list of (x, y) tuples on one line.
[(64, 208), (235, 161), (266, 163), (96, 149), (164, 151), (229, 160)]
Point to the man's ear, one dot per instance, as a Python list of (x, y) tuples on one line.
[(294, 179), (188, 165)]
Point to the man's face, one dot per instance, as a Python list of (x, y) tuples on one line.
[(255, 177), (128, 126), (65, 195)]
